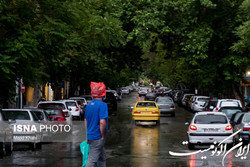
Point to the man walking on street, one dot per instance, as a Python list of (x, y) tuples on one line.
[(96, 117)]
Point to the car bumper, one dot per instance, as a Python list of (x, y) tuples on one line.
[(205, 139), (146, 118), (167, 111)]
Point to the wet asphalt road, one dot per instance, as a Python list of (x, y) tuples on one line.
[(129, 145)]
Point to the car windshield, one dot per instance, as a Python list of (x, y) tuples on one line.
[(145, 104), (52, 112), (51, 105), (15, 115), (229, 112), (163, 100), (210, 119), (247, 118)]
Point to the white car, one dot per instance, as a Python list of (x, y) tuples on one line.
[(125, 91), (74, 108), (209, 127), (227, 103), (82, 102), (26, 127), (197, 103)]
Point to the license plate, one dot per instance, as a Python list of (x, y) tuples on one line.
[(211, 130)]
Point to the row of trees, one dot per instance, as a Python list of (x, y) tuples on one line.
[(200, 43), (50, 41)]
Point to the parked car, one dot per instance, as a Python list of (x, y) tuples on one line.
[(111, 101), (6, 136), (87, 97), (146, 112), (44, 119), (185, 99), (243, 124), (166, 105), (150, 97), (24, 118), (229, 111), (197, 103), (56, 104), (74, 108), (82, 102), (209, 127), (227, 102)]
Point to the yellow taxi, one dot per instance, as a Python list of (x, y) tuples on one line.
[(145, 112)]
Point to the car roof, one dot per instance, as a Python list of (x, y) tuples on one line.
[(210, 113)]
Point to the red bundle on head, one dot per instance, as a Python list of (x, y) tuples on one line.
[(97, 89)]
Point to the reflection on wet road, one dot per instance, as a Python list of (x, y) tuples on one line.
[(129, 145)]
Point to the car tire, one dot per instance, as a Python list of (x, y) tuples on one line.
[(191, 146), (8, 148)]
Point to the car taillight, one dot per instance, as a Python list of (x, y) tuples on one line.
[(229, 127), (77, 109), (192, 127), (172, 106), (246, 128), (61, 119), (155, 112), (137, 112), (217, 108), (196, 102)]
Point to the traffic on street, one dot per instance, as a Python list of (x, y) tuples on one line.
[(153, 140)]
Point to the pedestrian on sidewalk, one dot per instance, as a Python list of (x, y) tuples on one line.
[(96, 117)]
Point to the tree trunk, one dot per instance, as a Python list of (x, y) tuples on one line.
[(237, 93)]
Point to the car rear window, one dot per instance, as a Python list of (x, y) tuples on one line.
[(52, 112), (210, 119), (229, 103), (70, 104), (15, 115), (51, 105), (202, 99), (164, 100), (145, 104), (39, 115)]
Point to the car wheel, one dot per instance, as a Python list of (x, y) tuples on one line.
[(190, 146), (8, 148)]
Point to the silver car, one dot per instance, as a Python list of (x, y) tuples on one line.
[(26, 128), (166, 105), (209, 127), (242, 123)]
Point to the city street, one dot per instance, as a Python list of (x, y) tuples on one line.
[(129, 145)]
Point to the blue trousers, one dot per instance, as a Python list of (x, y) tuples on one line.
[(97, 153)]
